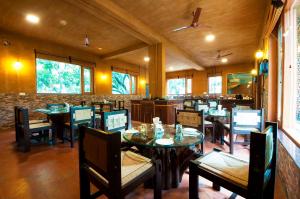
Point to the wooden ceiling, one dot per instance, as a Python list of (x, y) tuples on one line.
[(237, 25), (79, 23)]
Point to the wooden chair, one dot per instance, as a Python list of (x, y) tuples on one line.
[(114, 121), (193, 119), (78, 116), (250, 180), (189, 104), (121, 105), (242, 122), (212, 103), (114, 104), (25, 131), (207, 124), (113, 172)]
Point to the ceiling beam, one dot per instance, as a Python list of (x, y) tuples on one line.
[(113, 14), (124, 51)]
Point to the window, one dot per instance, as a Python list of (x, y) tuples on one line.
[(291, 95), (215, 85), (87, 80), (123, 83), (62, 78), (180, 86)]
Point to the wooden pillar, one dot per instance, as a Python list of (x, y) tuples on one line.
[(157, 70)]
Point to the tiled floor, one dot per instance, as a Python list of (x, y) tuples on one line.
[(51, 172)]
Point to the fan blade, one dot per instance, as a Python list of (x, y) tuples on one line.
[(181, 28), (196, 15), (226, 55)]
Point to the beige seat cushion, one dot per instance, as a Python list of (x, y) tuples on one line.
[(97, 116), (39, 125), (35, 121), (227, 166), (227, 126), (133, 165), (207, 122)]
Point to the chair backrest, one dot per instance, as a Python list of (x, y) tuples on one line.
[(187, 118), (121, 104), (247, 119), (212, 103), (100, 152), (114, 103), (263, 154), (114, 121), (202, 106), (82, 114), (57, 106), (22, 118)]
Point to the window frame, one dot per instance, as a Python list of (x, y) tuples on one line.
[(289, 80), (209, 84), (82, 92), (130, 83), (185, 85), (92, 80)]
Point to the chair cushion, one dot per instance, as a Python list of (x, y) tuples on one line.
[(250, 129), (35, 121), (39, 125), (133, 165), (226, 166), (97, 116), (227, 126), (207, 122)]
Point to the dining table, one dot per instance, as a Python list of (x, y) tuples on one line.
[(58, 117), (215, 116), (173, 152)]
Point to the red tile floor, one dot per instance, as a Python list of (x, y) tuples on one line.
[(51, 172)]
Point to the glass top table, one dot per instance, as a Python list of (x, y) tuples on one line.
[(217, 113), (53, 111), (190, 137)]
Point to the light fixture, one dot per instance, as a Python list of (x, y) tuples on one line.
[(103, 76), (146, 59), (210, 37), (17, 65), (171, 68), (63, 22), (259, 54), (142, 82), (99, 48), (32, 19), (224, 60), (254, 72)]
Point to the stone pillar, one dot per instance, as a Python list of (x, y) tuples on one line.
[(157, 70)]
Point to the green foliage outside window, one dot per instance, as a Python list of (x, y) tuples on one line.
[(87, 79), (57, 77), (120, 83), (176, 86)]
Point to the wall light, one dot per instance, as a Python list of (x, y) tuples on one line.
[(259, 54), (254, 72), (146, 59), (103, 77), (17, 65), (142, 82)]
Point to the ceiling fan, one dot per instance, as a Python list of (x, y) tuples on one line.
[(220, 56), (196, 15)]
